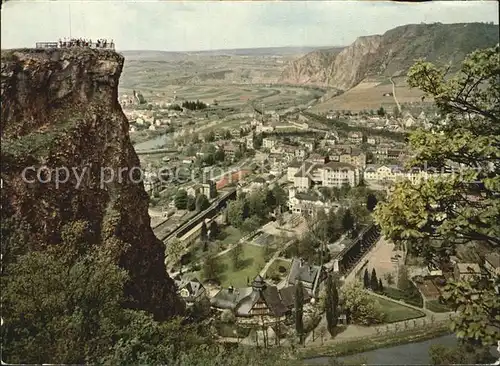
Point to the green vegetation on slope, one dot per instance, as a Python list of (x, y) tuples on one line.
[(437, 216)]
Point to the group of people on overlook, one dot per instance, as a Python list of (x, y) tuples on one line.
[(82, 42)]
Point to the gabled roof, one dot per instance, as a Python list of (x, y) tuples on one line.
[(493, 259), (228, 298), (304, 196), (242, 300), (287, 295), (304, 272), (371, 168), (194, 287)]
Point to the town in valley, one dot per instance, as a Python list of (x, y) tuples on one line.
[(326, 203)]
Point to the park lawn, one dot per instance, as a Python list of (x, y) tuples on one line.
[(395, 312), (252, 260), (230, 235)]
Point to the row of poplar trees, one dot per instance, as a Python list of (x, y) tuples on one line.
[(372, 282), (332, 308)]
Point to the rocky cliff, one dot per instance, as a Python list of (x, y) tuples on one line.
[(60, 111), (390, 54), (312, 68)]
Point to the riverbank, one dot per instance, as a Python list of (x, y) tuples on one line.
[(147, 139), (364, 344)]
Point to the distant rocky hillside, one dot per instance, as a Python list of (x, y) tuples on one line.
[(390, 54)]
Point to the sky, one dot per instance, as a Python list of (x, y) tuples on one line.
[(202, 25)]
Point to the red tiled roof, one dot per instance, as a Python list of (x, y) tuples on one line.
[(235, 177)]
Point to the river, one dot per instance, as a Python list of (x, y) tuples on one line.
[(409, 354), (155, 143)]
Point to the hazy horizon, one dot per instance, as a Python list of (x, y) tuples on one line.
[(239, 48), (192, 26)]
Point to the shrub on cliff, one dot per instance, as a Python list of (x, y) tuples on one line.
[(63, 308)]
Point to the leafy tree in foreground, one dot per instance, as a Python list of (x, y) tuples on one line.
[(64, 305), (362, 307), (460, 355), (250, 224), (433, 217), (236, 212), (202, 202)]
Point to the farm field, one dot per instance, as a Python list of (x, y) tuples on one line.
[(157, 70), (233, 81), (370, 95)]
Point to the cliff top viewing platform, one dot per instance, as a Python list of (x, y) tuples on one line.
[(77, 43)]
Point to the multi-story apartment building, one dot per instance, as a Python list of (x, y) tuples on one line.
[(355, 137), (339, 174), (332, 174), (269, 142), (395, 173), (356, 157), (249, 142), (304, 203), (292, 169), (230, 149)]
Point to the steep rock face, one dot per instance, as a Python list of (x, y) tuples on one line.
[(349, 66), (391, 54), (311, 68), (60, 110)]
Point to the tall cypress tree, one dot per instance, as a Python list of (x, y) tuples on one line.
[(331, 304), (366, 279), (380, 286), (374, 281), (204, 232), (299, 310)]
